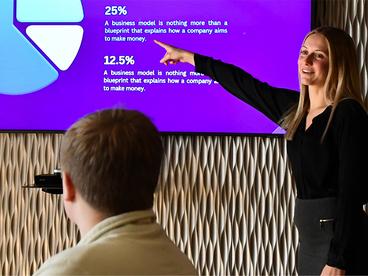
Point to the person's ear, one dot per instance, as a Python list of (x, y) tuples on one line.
[(68, 187)]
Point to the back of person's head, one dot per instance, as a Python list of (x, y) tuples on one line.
[(113, 158)]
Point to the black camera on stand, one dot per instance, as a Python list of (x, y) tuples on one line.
[(49, 183)]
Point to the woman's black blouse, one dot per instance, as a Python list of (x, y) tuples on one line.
[(334, 168)]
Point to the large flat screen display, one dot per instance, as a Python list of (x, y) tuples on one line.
[(62, 59)]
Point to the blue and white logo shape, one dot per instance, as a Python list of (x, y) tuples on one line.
[(23, 68)]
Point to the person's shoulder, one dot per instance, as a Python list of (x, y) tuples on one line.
[(350, 116), (63, 263), (350, 108), (349, 104)]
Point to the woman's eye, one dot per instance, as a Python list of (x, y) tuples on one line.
[(319, 56)]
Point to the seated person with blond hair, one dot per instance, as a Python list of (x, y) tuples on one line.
[(111, 162)]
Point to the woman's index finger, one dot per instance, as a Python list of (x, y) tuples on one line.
[(163, 45)]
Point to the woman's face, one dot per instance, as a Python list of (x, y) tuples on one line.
[(313, 61)]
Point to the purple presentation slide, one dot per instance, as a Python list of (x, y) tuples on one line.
[(62, 59)]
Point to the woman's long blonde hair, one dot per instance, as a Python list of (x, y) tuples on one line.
[(342, 81)]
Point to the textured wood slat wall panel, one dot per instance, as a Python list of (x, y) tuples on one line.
[(222, 207), (227, 202)]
